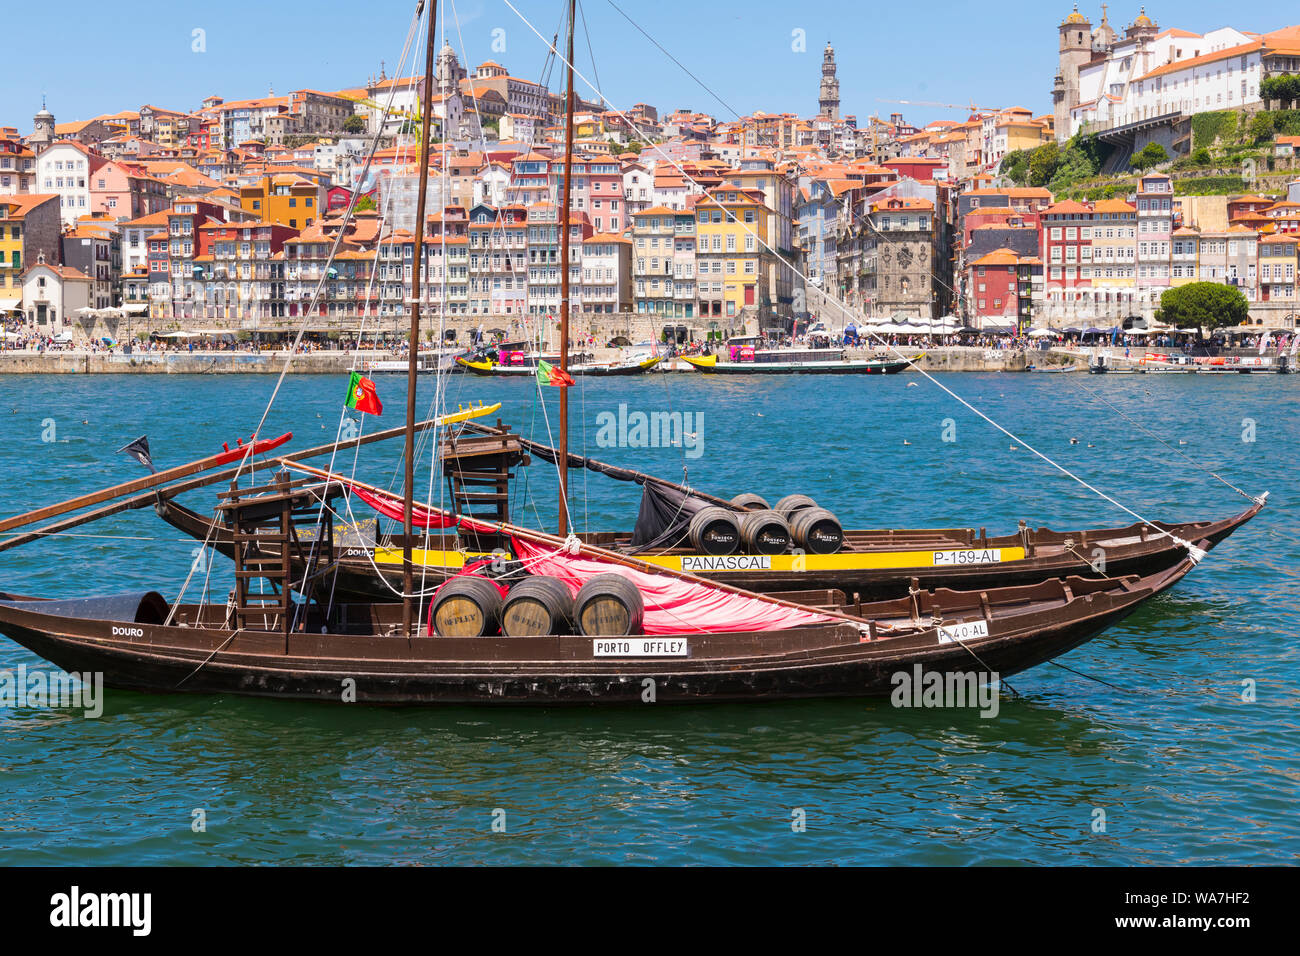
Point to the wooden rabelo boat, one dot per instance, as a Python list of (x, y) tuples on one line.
[(562, 619), (871, 564), (362, 653)]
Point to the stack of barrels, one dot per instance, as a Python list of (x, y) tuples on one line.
[(758, 528), (608, 605)]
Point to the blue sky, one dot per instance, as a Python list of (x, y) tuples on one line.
[(91, 59)]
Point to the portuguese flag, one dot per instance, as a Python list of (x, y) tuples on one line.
[(362, 395), (548, 374)]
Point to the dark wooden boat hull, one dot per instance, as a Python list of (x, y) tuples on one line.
[(834, 660), (354, 576)]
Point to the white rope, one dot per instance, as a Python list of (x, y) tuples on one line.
[(1196, 553), (347, 218)]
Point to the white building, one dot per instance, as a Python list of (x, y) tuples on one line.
[(492, 185), (52, 295), (1146, 74), (64, 169), (606, 274), (638, 188)]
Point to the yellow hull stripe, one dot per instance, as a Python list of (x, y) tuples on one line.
[(844, 561), (431, 557)]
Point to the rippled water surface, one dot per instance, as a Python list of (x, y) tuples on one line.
[(1184, 769)]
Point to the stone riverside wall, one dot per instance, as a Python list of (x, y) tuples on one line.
[(946, 359)]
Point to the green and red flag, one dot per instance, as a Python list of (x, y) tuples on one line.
[(548, 374), (362, 395)]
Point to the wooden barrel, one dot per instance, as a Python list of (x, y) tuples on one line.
[(764, 532), (715, 530), (748, 501), (538, 604), (817, 531), (609, 605), (467, 606), (788, 505)]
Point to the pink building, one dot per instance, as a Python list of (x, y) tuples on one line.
[(123, 191), (597, 191), (1155, 217)]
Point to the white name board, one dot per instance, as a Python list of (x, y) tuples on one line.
[(726, 562), (639, 647), (963, 632), (969, 556)]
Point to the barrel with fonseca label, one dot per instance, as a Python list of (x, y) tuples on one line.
[(748, 501), (609, 605), (817, 531), (790, 504), (467, 606), (715, 530), (764, 532), (538, 604)]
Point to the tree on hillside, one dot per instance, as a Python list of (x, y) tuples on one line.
[(354, 124), (1260, 128), (1015, 166), (1285, 88), (1042, 164), (1152, 154), (1209, 305), (365, 202)]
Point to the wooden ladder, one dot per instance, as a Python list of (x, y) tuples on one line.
[(270, 527)]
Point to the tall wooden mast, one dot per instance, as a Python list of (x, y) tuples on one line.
[(413, 357), (564, 281)]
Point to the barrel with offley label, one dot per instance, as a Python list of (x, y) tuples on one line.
[(537, 605), (609, 605), (467, 606), (715, 530), (817, 531), (764, 532)]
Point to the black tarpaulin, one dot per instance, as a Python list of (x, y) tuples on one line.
[(664, 517)]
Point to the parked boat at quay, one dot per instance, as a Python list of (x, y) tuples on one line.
[(747, 356), (527, 365)]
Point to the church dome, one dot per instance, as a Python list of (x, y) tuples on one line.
[(1143, 20), (1076, 16)]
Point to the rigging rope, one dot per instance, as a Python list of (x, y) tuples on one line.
[(1197, 554)]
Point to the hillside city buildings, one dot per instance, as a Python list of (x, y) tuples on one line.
[(224, 216)]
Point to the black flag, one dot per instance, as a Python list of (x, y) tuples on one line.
[(139, 450)]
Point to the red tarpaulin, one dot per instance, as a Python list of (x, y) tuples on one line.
[(392, 507), (672, 606)]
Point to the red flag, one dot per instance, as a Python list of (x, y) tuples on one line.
[(548, 374), (362, 395)]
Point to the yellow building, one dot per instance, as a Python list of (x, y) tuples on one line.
[(1186, 261), (283, 199), (733, 266)]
